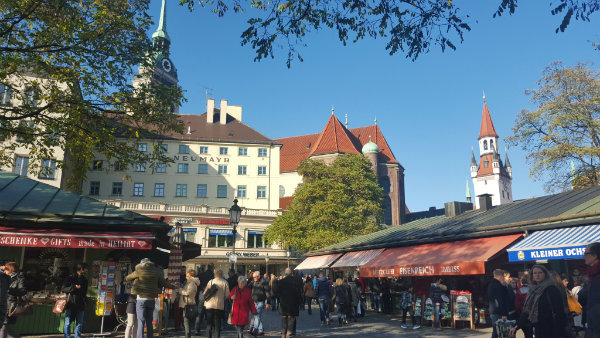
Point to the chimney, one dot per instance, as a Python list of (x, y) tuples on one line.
[(452, 209), (223, 114), (485, 202), (210, 110)]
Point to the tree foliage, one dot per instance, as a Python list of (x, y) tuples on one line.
[(69, 66), (335, 202), (564, 129), (411, 27)]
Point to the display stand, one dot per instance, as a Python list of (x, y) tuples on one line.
[(462, 309), (106, 293)]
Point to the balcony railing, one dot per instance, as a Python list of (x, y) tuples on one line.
[(188, 209)]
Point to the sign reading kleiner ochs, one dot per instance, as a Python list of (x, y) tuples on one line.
[(543, 254)]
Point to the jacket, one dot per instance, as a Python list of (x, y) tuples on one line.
[(323, 288), (187, 295), (592, 303), (242, 305), (217, 302), (77, 297), (355, 293), (521, 297), (340, 292), (16, 288), (289, 292), (552, 317), (497, 297), (4, 281), (309, 290), (407, 300), (435, 293), (260, 291), (148, 281)]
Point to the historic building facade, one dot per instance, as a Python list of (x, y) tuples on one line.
[(491, 175), (336, 139)]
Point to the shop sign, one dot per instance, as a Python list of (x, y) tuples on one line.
[(74, 242), (184, 220), (244, 254), (467, 268), (187, 158), (542, 254), (214, 221)]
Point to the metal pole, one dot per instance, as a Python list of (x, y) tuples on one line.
[(233, 250)]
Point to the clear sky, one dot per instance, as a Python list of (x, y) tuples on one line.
[(429, 110)]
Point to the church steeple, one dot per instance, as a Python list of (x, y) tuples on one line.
[(160, 38)]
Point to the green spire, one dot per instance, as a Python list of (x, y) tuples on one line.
[(468, 191), (161, 31)]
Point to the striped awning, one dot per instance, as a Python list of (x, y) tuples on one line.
[(555, 244), (221, 232), (318, 262), (356, 258)]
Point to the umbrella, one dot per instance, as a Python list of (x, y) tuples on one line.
[(175, 268)]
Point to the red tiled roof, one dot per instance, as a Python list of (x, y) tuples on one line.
[(487, 126), (285, 202), (334, 138)]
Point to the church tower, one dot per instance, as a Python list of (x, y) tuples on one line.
[(490, 176), (162, 69)]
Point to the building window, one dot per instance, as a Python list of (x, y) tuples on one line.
[(163, 148), (181, 190), (97, 165), (222, 169), (95, 188), (492, 144), (138, 189), (221, 191), (281, 191), (243, 151), (242, 170), (485, 145), (117, 188), (119, 166), (159, 189), (21, 165), (261, 191), (203, 168), (223, 150), (201, 191), (5, 94), (31, 97), (48, 169), (161, 168), (203, 150), (142, 147), (140, 167), (220, 239), (262, 152), (262, 170), (486, 163), (182, 168), (255, 240), (241, 191), (184, 149)]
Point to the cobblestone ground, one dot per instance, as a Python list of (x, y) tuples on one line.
[(372, 326)]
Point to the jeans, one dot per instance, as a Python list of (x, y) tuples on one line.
[(377, 302), (323, 309), (412, 316), (287, 326), (144, 310), (131, 328), (201, 314), (213, 322), (494, 319), (436, 315), (239, 329), (188, 323), (70, 316), (341, 312), (258, 324), (309, 303)]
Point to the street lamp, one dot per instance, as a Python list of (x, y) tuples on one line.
[(234, 215), (267, 264), (287, 253)]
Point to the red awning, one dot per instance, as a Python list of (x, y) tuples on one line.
[(356, 258), (452, 258), (55, 238)]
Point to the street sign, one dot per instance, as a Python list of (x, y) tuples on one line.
[(233, 258)]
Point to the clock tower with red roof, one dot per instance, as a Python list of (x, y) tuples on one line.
[(490, 176)]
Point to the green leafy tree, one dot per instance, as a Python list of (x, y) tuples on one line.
[(65, 83), (335, 202), (411, 27), (563, 133)]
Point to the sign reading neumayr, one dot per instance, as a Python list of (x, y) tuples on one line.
[(187, 158)]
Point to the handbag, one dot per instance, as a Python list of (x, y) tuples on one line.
[(210, 293), (230, 313), (191, 311), (574, 305), (59, 306), (20, 308)]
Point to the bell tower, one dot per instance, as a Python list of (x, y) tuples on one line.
[(490, 175)]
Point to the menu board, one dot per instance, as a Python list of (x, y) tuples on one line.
[(106, 287), (462, 306), (418, 307)]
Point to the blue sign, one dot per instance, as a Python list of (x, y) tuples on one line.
[(546, 254)]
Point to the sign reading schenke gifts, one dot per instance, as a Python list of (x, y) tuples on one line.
[(74, 242)]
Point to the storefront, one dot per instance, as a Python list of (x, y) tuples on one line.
[(271, 261), (47, 231)]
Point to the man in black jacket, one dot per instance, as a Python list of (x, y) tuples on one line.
[(4, 281), (497, 298), (76, 288), (261, 295), (289, 292)]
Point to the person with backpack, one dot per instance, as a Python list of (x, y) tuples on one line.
[(407, 303)]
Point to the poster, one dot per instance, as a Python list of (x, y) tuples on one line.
[(418, 306), (428, 312), (106, 287)]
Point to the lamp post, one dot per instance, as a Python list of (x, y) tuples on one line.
[(234, 216), (287, 253), (267, 264)]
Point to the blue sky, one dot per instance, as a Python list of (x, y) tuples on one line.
[(429, 110)]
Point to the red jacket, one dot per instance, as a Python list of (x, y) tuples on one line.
[(242, 304)]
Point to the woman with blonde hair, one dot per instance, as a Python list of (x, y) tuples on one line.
[(340, 295), (187, 301)]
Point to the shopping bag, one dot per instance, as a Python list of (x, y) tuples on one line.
[(359, 308), (230, 314), (503, 327), (59, 306), (574, 305)]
